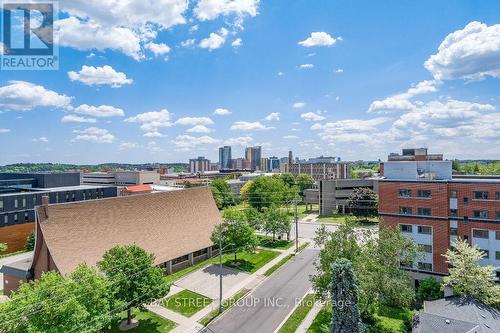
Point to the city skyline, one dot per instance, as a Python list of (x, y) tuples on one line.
[(200, 76)]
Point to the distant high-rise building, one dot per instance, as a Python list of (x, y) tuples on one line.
[(263, 164), (199, 165), (273, 163), (290, 157), (240, 164), (225, 158), (254, 154)]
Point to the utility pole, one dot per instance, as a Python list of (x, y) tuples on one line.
[(220, 275)]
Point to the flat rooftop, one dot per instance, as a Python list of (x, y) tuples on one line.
[(55, 189)]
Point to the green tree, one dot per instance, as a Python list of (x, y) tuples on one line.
[(254, 218), (288, 179), (344, 294), (55, 304), (132, 272), (276, 222), (467, 277), (30, 242), (363, 202), (3, 247), (244, 191), (455, 165), (222, 193), (235, 233), (266, 192), (304, 182), (428, 290)]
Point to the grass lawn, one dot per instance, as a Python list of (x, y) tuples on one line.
[(302, 212), (267, 241), (249, 262), (293, 322), (390, 319), (186, 302), (323, 318), (278, 265), (225, 305), (148, 323), (340, 219)]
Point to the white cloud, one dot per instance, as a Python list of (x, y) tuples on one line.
[(298, 105), (158, 49), (188, 142), (273, 116), (41, 139), (25, 96), (312, 116), (4, 130), (152, 121), (105, 75), (212, 9), (72, 118), (153, 134), (281, 73), (471, 53), (319, 39), (193, 121), (215, 40), (188, 42), (200, 129), (289, 137), (129, 145), (222, 112), (306, 66), (99, 111), (124, 25), (94, 135), (243, 141), (249, 126), (402, 101), (237, 42), (339, 70)]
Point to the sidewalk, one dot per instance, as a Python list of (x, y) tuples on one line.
[(191, 324)]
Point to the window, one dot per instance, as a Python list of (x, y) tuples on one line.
[(26, 217), (424, 230), (424, 193), (466, 201), (34, 200), (481, 214), (57, 197), (405, 193), (497, 235), (405, 210), (425, 248), (497, 255), (180, 259), (466, 219), (453, 212), (486, 253), (24, 202), (5, 219), (497, 196), (497, 216), (453, 231), (406, 227), (424, 211), (423, 266), (16, 203), (453, 194), (480, 233), (16, 218), (1, 204), (481, 195)]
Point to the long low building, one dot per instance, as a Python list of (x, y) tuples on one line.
[(174, 226)]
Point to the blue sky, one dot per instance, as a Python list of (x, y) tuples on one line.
[(141, 81)]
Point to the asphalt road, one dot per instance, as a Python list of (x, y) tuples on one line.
[(267, 306)]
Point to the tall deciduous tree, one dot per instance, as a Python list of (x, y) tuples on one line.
[(222, 193), (132, 272), (276, 222), (467, 277), (244, 191), (266, 192), (363, 202), (304, 182), (344, 293), (235, 233)]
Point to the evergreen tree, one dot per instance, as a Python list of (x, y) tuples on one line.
[(30, 242), (344, 291)]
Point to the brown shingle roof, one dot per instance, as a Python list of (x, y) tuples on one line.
[(167, 224)]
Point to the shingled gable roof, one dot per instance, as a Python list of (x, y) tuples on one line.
[(167, 224)]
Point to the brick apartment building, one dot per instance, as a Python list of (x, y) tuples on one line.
[(199, 165), (321, 170), (421, 197)]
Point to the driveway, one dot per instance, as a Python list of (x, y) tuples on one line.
[(206, 281)]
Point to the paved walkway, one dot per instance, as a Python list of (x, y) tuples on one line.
[(185, 324), (306, 323)]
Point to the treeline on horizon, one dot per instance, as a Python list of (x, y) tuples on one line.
[(62, 167)]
